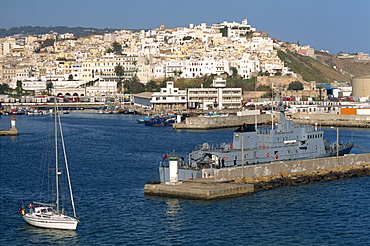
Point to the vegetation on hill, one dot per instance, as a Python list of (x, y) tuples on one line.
[(326, 68), (347, 66), (38, 30), (309, 68)]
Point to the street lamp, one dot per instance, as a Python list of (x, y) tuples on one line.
[(337, 143)]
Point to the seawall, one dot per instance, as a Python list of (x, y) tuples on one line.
[(346, 120), (237, 181), (202, 123), (275, 168)]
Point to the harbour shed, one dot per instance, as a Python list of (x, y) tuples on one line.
[(142, 99)]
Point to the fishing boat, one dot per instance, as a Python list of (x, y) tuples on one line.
[(284, 141), (162, 120), (215, 114), (52, 215), (142, 120)]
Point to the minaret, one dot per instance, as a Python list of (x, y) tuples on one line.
[(161, 28)]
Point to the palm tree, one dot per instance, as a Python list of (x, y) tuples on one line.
[(119, 71), (19, 88), (120, 86)]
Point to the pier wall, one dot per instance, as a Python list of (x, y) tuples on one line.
[(199, 123), (275, 168), (333, 119)]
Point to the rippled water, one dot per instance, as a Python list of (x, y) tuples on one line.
[(111, 158)]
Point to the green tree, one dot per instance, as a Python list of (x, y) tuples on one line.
[(4, 89), (295, 85), (120, 86), (49, 86), (234, 72), (70, 77), (177, 73), (151, 86), (133, 85), (117, 48), (119, 71), (47, 43), (19, 88)]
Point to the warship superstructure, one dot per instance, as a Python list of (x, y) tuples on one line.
[(284, 141)]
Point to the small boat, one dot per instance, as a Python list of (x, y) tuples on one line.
[(130, 111), (163, 120), (156, 121), (142, 120), (47, 215), (215, 114)]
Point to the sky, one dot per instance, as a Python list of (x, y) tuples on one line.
[(330, 25)]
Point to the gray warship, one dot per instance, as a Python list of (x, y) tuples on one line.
[(284, 141)]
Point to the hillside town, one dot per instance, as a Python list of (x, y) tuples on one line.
[(95, 67)]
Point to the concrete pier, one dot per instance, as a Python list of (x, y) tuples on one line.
[(12, 131), (203, 123), (229, 182), (345, 120), (205, 189)]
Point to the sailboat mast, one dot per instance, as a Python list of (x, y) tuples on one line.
[(66, 164), (56, 154)]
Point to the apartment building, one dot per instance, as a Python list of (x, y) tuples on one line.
[(105, 67), (214, 98), (169, 98)]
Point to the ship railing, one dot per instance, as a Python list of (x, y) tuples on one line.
[(308, 127), (207, 146)]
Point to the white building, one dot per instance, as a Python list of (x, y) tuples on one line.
[(105, 67), (169, 98), (205, 66), (215, 98), (247, 66)]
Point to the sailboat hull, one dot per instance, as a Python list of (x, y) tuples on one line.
[(53, 222)]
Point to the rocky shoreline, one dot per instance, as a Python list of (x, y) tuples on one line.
[(285, 179)]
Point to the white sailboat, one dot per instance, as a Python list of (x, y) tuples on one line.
[(51, 215)]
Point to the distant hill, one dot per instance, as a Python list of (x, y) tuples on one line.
[(38, 30), (322, 68), (325, 69)]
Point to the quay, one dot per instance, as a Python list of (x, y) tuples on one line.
[(204, 123), (345, 120), (338, 120), (238, 181), (204, 188), (12, 131)]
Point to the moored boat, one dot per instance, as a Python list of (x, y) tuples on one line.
[(48, 215), (285, 141), (162, 120)]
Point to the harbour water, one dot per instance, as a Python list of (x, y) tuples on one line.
[(111, 157)]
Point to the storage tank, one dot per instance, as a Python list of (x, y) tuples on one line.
[(361, 87)]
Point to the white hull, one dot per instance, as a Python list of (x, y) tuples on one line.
[(53, 222)]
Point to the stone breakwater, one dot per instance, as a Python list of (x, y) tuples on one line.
[(284, 178), (236, 181)]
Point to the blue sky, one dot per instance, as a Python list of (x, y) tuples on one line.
[(333, 25)]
